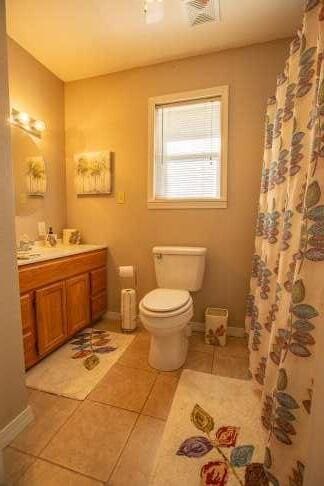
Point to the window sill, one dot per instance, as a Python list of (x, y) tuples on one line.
[(172, 204)]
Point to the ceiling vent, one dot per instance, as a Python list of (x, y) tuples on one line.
[(202, 11)]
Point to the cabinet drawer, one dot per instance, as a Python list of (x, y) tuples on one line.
[(98, 305), (98, 280)]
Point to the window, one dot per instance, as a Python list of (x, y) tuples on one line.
[(188, 149)]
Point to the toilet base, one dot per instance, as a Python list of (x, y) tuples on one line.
[(169, 353)]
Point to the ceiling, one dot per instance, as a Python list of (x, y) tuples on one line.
[(83, 38)]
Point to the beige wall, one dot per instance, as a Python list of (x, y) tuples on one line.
[(36, 90), (111, 112), (12, 376)]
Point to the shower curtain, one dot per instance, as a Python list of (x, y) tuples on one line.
[(286, 302)]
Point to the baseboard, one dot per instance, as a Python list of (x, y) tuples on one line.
[(231, 331), (17, 425), (235, 331), (195, 326)]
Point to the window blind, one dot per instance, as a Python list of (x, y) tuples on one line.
[(188, 150)]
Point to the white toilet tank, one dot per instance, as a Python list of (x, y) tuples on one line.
[(179, 267)]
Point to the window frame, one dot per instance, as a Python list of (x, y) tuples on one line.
[(220, 92)]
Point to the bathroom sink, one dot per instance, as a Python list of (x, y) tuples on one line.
[(26, 255), (39, 254)]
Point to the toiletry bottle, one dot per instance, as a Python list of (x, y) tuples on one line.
[(51, 238)]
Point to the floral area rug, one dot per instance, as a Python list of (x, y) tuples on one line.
[(213, 435), (75, 369)]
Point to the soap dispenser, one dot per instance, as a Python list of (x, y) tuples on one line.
[(51, 237)]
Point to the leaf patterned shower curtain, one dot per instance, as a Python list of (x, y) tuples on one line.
[(286, 302)]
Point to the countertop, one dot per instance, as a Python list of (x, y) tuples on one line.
[(43, 254)]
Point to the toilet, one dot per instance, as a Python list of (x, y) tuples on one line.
[(166, 311)]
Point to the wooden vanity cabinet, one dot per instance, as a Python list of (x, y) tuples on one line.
[(29, 329), (59, 298)]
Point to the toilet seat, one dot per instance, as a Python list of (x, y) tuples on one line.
[(165, 315), (165, 300)]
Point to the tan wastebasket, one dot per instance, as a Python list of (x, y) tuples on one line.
[(216, 326)]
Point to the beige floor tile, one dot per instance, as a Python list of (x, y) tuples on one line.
[(136, 355), (231, 367), (235, 348), (137, 460), (50, 413), (160, 399), (198, 361), (92, 440), (16, 464), (143, 336), (197, 343), (124, 387), (42, 473)]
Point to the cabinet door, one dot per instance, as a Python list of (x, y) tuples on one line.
[(29, 329), (78, 303), (51, 317)]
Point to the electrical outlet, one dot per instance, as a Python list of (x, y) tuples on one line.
[(121, 197)]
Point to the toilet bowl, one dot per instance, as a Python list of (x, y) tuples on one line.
[(166, 314), (166, 311)]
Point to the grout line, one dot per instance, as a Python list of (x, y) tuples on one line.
[(49, 461), (133, 428), (93, 400), (21, 475), (53, 394), (61, 427), (123, 448), (149, 393)]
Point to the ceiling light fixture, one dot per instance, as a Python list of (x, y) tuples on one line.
[(154, 11)]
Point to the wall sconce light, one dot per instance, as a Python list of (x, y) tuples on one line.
[(23, 120)]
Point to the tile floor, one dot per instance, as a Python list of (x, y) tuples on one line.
[(112, 437)]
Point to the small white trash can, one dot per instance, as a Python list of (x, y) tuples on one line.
[(216, 326)]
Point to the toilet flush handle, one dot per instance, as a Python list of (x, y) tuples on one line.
[(158, 256)]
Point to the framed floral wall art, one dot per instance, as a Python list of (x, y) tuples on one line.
[(36, 180), (93, 173)]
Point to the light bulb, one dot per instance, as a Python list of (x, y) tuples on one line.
[(39, 125), (23, 118)]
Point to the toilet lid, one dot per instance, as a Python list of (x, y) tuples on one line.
[(165, 300)]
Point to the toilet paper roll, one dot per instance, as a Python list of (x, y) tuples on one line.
[(128, 309), (126, 272)]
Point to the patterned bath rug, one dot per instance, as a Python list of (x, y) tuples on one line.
[(73, 370), (213, 435)]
